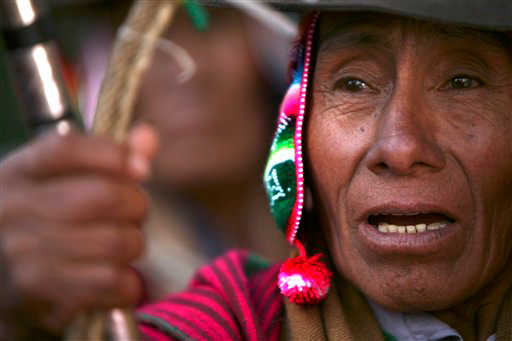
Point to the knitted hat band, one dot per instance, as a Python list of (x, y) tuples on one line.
[(284, 173)]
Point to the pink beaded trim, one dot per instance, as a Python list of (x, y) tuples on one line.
[(294, 221)]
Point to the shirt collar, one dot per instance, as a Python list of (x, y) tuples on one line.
[(417, 326)]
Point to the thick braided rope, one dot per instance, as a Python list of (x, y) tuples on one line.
[(130, 57)]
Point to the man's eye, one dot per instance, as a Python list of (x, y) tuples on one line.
[(464, 82), (352, 85)]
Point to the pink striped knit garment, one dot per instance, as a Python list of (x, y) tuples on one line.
[(234, 298)]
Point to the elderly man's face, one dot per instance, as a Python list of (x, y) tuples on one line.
[(410, 156)]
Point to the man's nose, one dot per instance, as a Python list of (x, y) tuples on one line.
[(405, 141)]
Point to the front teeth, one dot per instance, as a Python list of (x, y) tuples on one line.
[(411, 229), (418, 228), (421, 228)]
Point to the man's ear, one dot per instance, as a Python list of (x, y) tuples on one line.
[(309, 203)]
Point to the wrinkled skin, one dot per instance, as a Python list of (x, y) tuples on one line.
[(71, 213), (409, 116)]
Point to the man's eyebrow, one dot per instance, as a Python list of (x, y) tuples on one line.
[(479, 36), (351, 39), (356, 30)]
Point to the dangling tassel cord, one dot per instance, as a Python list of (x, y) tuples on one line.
[(304, 280)]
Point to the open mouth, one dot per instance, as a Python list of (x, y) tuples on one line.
[(410, 222)]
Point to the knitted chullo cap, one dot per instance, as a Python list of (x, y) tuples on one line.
[(302, 279)]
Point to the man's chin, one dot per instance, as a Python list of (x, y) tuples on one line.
[(408, 287), (415, 297)]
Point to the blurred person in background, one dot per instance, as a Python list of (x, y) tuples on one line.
[(215, 130), (205, 190)]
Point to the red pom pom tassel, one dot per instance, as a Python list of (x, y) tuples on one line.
[(304, 280)]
